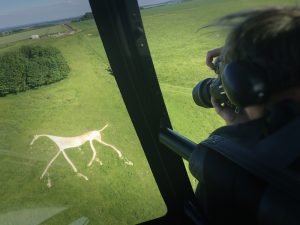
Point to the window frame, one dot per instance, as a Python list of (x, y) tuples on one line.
[(121, 29)]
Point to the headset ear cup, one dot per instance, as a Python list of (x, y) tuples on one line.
[(244, 84)]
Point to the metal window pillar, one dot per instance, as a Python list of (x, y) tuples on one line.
[(122, 33)]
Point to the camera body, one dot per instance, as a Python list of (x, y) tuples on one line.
[(211, 87), (239, 84)]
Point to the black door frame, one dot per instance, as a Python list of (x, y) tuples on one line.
[(120, 26)]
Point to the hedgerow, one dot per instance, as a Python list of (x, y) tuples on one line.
[(30, 67)]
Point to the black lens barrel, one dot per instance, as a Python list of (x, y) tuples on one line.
[(201, 93)]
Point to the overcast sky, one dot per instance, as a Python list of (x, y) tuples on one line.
[(20, 12)]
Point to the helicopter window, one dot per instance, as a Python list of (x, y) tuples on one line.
[(178, 43), (68, 151)]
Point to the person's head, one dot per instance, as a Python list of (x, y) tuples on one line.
[(269, 39)]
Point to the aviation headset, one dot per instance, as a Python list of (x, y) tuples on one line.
[(245, 83)]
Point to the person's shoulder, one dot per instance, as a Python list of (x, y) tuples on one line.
[(243, 132)]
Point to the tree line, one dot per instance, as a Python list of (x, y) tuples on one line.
[(30, 67)]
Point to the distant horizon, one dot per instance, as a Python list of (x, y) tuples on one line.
[(20, 13), (3, 29)]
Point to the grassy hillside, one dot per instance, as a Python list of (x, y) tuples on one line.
[(5, 40), (115, 193), (87, 100)]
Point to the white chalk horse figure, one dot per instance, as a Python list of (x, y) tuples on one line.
[(64, 143)]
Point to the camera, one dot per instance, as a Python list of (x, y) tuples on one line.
[(211, 87)]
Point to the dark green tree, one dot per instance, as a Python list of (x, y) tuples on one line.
[(31, 67)]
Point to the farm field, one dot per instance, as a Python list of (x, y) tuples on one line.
[(115, 192), (27, 34)]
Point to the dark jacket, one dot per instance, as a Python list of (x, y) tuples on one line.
[(242, 161)]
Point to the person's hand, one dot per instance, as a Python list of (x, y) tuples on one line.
[(228, 114), (210, 55)]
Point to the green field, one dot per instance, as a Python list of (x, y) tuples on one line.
[(15, 37), (88, 99)]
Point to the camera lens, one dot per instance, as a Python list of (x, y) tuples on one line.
[(201, 93)]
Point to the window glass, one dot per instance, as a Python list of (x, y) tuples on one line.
[(178, 43), (68, 151)]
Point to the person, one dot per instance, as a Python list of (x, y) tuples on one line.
[(267, 40), (270, 39)]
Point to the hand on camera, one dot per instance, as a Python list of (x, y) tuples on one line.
[(211, 55), (228, 114)]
